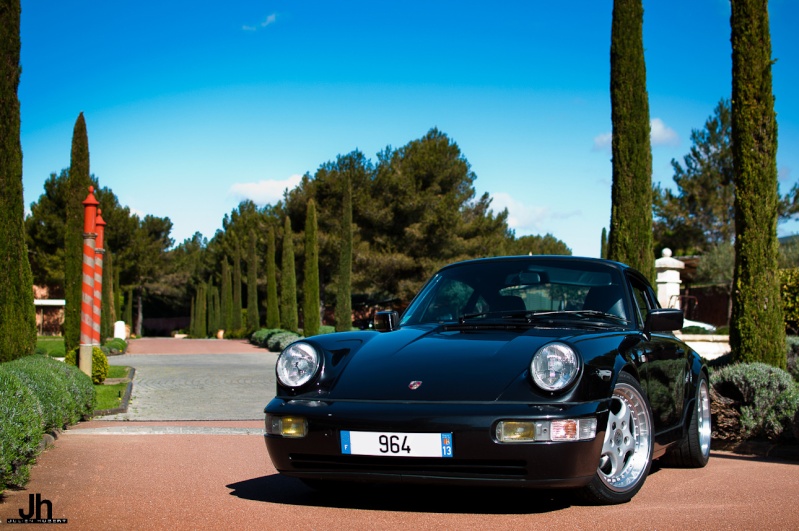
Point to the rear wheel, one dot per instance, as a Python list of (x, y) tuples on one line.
[(627, 450), (694, 450)]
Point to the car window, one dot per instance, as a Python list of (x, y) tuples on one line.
[(643, 301), (487, 289), (453, 298)]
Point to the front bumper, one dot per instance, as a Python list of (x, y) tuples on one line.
[(478, 458)]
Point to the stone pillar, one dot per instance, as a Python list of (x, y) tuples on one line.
[(668, 279)]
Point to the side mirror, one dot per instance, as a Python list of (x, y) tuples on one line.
[(386, 321), (664, 320)]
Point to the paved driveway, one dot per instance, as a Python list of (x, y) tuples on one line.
[(232, 386)]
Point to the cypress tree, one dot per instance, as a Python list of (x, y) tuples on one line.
[(118, 297), (78, 183), (272, 308), (128, 318), (603, 244), (227, 297), (253, 317), (757, 331), (200, 313), (193, 318), (108, 315), (216, 316), (237, 304), (288, 281), (631, 196), (311, 299), (17, 314), (211, 315), (344, 291)]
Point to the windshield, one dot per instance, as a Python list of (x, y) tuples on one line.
[(520, 288)]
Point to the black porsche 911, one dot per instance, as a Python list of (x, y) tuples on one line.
[(529, 371)]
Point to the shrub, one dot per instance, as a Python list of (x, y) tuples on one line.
[(115, 346), (21, 429), (79, 387), (260, 337), (99, 363), (58, 405), (766, 397), (281, 340)]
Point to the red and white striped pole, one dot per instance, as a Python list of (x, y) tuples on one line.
[(87, 291), (99, 250)]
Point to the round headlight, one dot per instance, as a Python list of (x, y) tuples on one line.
[(297, 364), (554, 366)]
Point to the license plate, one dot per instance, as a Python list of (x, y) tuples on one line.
[(396, 444)]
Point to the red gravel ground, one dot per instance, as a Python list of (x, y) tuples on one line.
[(219, 481), (160, 345)]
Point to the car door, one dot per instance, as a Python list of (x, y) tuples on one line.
[(664, 366)]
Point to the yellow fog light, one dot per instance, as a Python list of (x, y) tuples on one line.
[(294, 427), (515, 431)]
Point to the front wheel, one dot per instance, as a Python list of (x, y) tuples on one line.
[(627, 449)]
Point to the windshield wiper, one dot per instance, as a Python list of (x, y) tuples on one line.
[(535, 315)]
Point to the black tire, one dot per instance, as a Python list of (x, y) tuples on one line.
[(693, 451), (627, 450)]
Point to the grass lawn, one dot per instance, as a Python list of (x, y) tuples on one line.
[(117, 371), (52, 345), (109, 396)]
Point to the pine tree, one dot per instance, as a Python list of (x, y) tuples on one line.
[(757, 331), (272, 307), (253, 317), (17, 314), (78, 183), (631, 196), (227, 297), (311, 298), (238, 306), (288, 281), (344, 291)]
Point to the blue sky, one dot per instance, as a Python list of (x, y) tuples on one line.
[(193, 106)]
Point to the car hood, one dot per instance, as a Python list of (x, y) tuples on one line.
[(430, 363)]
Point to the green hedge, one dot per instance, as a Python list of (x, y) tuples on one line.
[(37, 394)]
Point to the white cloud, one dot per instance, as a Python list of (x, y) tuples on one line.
[(663, 135), (268, 21), (521, 217), (264, 192), (660, 135), (602, 142)]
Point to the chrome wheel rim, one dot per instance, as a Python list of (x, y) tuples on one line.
[(627, 446), (703, 418)]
